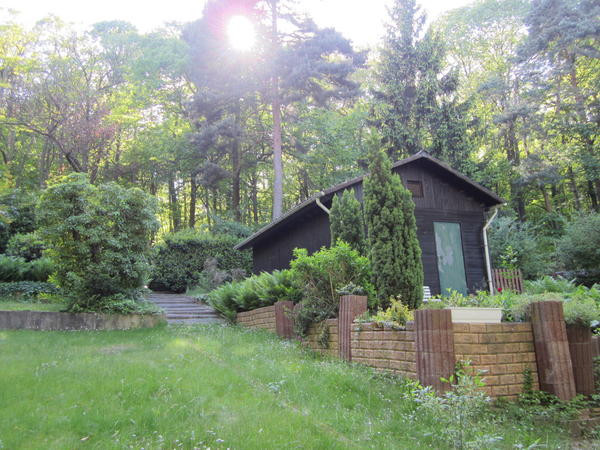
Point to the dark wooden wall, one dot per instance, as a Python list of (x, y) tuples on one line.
[(443, 201)]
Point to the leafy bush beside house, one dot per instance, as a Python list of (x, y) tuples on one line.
[(513, 243), (99, 240), (254, 292), (579, 248), (322, 275), (178, 261)]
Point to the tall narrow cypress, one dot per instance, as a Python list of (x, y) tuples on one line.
[(347, 223), (394, 249)]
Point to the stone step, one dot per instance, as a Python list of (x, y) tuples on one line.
[(181, 309)]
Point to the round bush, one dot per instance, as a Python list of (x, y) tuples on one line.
[(28, 246)]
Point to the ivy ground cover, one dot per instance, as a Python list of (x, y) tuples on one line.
[(219, 387)]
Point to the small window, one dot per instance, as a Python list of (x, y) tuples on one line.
[(416, 187)]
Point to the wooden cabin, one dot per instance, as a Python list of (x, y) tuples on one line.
[(450, 209)]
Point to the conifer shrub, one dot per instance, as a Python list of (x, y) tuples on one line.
[(394, 249), (347, 222)]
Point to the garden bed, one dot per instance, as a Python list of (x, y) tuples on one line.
[(51, 320)]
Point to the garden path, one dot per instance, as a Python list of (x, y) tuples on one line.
[(182, 309)]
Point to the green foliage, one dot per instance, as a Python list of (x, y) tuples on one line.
[(27, 289), (396, 314), (255, 292), (252, 379), (99, 239), (549, 284), (515, 245), (394, 249), (17, 215), (580, 246), (460, 410), (118, 304), (321, 276), (225, 227), (581, 311), (28, 246), (179, 261), (346, 219), (223, 300), (17, 269)]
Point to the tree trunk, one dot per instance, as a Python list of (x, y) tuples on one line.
[(174, 205), (254, 194), (236, 168), (193, 192), (276, 111), (574, 189), (547, 200), (592, 194)]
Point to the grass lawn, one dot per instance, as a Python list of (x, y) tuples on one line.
[(212, 386), (30, 306)]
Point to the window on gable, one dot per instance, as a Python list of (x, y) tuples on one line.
[(415, 187)]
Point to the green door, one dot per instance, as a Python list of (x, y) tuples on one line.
[(450, 260)]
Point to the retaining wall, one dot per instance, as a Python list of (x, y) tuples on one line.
[(502, 351), (49, 321), (385, 348), (259, 318), (316, 333)]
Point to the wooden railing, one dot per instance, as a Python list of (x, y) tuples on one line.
[(507, 279)]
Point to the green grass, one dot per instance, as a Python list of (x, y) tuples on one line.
[(26, 304), (210, 386), (31, 306)]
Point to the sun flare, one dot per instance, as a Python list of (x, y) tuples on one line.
[(240, 31)]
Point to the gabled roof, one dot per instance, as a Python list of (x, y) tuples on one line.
[(489, 198)]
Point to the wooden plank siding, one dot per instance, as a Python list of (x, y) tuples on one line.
[(441, 202)]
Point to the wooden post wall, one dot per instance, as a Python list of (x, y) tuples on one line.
[(434, 347), (284, 325), (351, 306), (580, 348), (555, 370)]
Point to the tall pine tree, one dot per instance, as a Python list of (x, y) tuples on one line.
[(347, 223), (394, 249), (416, 106)]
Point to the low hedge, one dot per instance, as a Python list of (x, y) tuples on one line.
[(17, 269), (179, 260), (27, 289), (254, 292)]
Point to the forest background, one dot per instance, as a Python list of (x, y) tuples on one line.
[(506, 91)]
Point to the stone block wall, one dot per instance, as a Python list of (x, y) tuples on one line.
[(502, 350), (258, 318), (385, 348), (426, 348), (315, 332)]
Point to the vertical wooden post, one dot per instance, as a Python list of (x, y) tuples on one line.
[(555, 370), (351, 306), (595, 346), (283, 319), (434, 347), (580, 348)]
